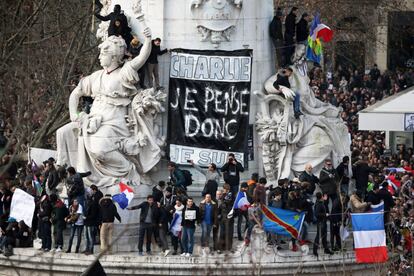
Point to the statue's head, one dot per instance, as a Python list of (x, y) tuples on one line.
[(112, 51), (300, 52)]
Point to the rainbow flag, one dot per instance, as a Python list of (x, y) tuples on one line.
[(318, 32), (282, 222)]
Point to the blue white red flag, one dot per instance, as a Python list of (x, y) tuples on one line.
[(369, 237), (241, 203), (175, 227), (378, 207), (125, 196)]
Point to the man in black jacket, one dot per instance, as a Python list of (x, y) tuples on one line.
[(52, 180), (108, 213), (76, 188), (343, 174), (231, 174), (309, 177), (361, 171), (118, 24), (191, 215), (91, 222), (328, 181), (384, 195), (290, 26), (321, 216), (152, 63), (276, 34), (148, 220), (302, 30), (45, 214)]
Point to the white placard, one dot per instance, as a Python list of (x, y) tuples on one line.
[(22, 207), (190, 215)]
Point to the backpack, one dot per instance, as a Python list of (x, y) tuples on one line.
[(188, 178)]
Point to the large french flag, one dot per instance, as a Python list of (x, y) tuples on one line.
[(241, 203), (125, 197), (369, 237), (378, 207)]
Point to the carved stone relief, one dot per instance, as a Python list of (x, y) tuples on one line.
[(216, 19)]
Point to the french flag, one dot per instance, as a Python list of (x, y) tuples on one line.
[(369, 237), (125, 197), (378, 207), (241, 203), (175, 227)]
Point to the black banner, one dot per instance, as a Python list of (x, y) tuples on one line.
[(209, 101)]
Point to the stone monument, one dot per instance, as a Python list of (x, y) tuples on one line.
[(117, 139), (290, 143)]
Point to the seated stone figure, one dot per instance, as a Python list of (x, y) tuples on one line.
[(289, 143), (116, 139)]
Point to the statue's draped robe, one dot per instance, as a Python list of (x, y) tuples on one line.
[(102, 143), (319, 134)]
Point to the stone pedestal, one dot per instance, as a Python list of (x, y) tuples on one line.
[(177, 24)]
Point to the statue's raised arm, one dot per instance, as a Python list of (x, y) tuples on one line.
[(140, 60)]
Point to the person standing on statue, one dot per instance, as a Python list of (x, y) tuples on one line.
[(118, 24), (134, 51), (148, 220), (290, 27), (152, 63), (276, 34), (231, 173), (302, 29)]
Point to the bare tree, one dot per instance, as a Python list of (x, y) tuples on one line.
[(45, 47)]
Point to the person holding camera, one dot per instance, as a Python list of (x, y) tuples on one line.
[(231, 174), (212, 179)]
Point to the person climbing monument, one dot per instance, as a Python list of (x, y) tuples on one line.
[(118, 24), (283, 80)]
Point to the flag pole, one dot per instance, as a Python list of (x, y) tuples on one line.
[(93, 15)]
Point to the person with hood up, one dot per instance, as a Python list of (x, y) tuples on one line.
[(108, 213)]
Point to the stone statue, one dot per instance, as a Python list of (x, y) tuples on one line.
[(290, 143), (216, 19), (116, 139)]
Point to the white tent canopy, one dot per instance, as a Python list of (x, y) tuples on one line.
[(395, 113)]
